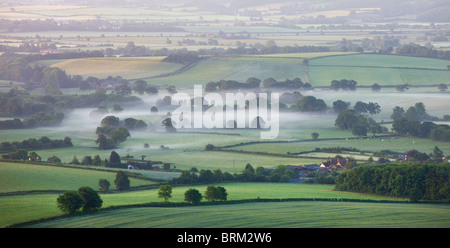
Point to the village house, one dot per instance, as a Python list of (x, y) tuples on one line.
[(334, 164)]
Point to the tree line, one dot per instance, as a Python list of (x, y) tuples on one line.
[(35, 144), (249, 174), (416, 181), (415, 122)]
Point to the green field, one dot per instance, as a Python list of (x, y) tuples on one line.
[(128, 68), (268, 215), (235, 68), (44, 205), (25, 177), (367, 69)]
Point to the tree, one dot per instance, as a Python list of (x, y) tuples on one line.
[(402, 87), (311, 104), (54, 159), (437, 153), (397, 113), (376, 87), (167, 123), (375, 128), (165, 191), (110, 121), (75, 161), (70, 202), (92, 200), (193, 196), (346, 119), (97, 161), (315, 135), (140, 86), (359, 130), (114, 158), (103, 184), (122, 182), (339, 106), (373, 108), (216, 193), (104, 143), (87, 160), (442, 87)]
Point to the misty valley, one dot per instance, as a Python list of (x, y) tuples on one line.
[(224, 114)]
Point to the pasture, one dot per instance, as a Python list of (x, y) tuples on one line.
[(268, 215), (20, 208), (28, 177), (127, 68), (386, 70)]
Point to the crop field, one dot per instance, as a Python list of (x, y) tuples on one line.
[(382, 69), (268, 215), (128, 68), (398, 144), (43, 205), (235, 68), (23, 177)]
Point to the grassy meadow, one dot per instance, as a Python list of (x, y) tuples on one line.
[(44, 205), (268, 215), (128, 68)]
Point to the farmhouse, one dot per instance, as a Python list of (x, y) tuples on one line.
[(334, 164)]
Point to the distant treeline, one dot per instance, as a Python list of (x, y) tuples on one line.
[(35, 144), (421, 51), (36, 120), (416, 181), (253, 83), (440, 132), (15, 104), (86, 25), (249, 174)]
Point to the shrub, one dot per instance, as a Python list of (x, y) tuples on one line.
[(122, 182)]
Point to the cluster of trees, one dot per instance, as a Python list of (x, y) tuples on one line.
[(416, 181), (49, 109), (422, 51), (253, 83), (343, 84), (35, 144), (224, 85), (360, 125), (113, 131), (416, 113), (426, 129), (194, 196), (182, 58), (413, 122), (311, 104), (249, 174), (87, 160), (51, 79), (85, 198)]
